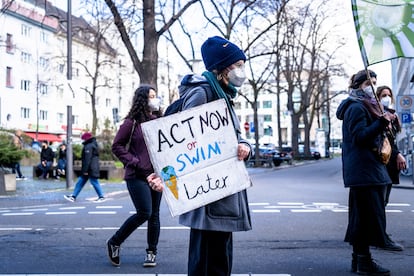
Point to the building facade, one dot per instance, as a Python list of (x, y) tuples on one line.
[(34, 89)]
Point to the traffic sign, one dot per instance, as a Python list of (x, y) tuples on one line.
[(405, 102), (406, 118)]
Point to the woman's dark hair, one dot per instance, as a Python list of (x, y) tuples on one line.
[(140, 110), (360, 77), (382, 88)]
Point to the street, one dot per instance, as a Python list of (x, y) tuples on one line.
[(299, 216)]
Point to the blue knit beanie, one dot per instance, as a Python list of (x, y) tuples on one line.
[(219, 53)]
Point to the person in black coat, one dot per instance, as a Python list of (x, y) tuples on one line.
[(89, 169), (364, 173), (397, 161), (47, 157)]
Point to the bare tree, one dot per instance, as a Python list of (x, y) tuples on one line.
[(306, 67), (104, 56), (133, 18)]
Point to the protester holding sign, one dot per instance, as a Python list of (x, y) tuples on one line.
[(211, 244), (130, 148), (364, 173)]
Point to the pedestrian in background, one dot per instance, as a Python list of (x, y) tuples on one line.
[(397, 161), (364, 173), (212, 226), (61, 163), (130, 148), (89, 169), (47, 157), (18, 142)]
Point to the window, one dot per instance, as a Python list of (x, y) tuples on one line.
[(24, 112), (267, 118), (61, 68), (43, 88), (25, 85), (267, 104), (9, 44), (25, 57), (60, 118), (237, 105), (9, 82), (26, 30), (44, 37), (43, 115), (75, 119), (246, 105), (43, 62), (107, 102)]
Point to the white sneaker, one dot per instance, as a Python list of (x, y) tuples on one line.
[(100, 199), (150, 260), (70, 198)]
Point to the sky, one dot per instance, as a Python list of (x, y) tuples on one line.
[(353, 63)]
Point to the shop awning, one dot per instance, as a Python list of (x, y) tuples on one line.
[(45, 136)]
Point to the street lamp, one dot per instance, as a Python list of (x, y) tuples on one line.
[(69, 149)]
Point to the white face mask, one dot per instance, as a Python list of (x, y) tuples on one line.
[(154, 104), (386, 101), (369, 90), (237, 76)]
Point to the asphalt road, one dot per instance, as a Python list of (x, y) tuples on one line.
[(299, 216)]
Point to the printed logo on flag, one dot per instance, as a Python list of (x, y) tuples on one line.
[(385, 29)]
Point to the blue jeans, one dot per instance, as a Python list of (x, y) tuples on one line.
[(210, 253), (16, 169), (45, 169), (61, 165), (82, 181), (147, 205)]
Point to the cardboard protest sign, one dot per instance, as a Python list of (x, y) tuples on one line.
[(195, 153)]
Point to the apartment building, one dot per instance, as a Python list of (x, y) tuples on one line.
[(34, 91)]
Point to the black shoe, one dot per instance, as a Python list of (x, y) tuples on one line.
[(367, 266), (113, 253), (391, 245)]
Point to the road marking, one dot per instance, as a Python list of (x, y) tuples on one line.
[(102, 213), (306, 211), (73, 208), (112, 228), (35, 210), (266, 211), (110, 207), (157, 274), (17, 214), (399, 204), (60, 213), (393, 211)]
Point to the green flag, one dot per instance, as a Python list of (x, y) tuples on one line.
[(385, 29)]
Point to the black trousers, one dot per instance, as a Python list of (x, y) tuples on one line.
[(210, 253), (366, 216)]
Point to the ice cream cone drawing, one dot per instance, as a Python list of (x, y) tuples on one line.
[(170, 179)]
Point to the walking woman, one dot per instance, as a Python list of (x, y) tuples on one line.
[(363, 172), (130, 148)]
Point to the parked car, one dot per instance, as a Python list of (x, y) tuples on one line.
[(315, 154), (266, 155)]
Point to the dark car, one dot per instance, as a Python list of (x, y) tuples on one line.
[(267, 155), (315, 154), (286, 154)]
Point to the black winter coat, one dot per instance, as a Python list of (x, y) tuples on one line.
[(360, 164), (90, 158)]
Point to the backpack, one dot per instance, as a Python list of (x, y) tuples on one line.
[(177, 105)]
